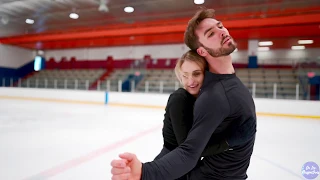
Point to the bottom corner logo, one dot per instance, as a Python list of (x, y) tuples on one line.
[(310, 170)]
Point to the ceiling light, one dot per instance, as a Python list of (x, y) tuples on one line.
[(265, 43), (263, 48), (40, 52), (297, 47), (74, 16), (305, 41), (103, 6), (198, 1), (29, 21), (128, 9), (4, 20)]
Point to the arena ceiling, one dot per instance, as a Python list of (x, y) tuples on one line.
[(104, 22)]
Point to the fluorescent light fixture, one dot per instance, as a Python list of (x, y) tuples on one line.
[(103, 8), (198, 1), (128, 9), (37, 63), (5, 20), (74, 16), (265, 43), (263, 48), (40, 52), (29, 21), (297, 47), (305, 41)]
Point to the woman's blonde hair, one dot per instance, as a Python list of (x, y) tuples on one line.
[(191, 56)]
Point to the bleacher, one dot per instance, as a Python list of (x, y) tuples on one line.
[(165, 81), (160, 78), (265, 80), (161, 81), (112, 81), (63, 79)]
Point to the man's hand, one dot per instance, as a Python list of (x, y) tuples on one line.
[(127, 168)]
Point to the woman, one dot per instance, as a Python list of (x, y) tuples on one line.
[(178, 117)]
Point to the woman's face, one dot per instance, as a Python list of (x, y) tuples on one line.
[(192, 77)]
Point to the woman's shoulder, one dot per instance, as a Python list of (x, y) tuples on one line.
[(180, 94)]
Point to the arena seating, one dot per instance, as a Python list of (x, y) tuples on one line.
[(113, 79), (154, 78), (159, 77), (63, 79), (264, 79), (165, 81), (286, 81)]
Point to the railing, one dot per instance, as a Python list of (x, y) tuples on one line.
[(293, 62), (276, 92), (258, 90)]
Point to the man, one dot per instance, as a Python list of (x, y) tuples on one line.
[(223, 105)]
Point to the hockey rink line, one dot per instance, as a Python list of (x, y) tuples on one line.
[(90, 156)]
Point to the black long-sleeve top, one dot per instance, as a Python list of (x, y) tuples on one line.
[(178, 121), (223, 102)]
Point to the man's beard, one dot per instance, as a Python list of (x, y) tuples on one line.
[(222, 51)]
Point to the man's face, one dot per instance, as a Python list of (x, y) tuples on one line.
[(215, 38)]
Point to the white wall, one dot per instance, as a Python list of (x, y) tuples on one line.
[(283, 56), (14, 57), (76, 96), (132, 52), (138, 100), (265, 106), (291, 107), (142, 99), (6, 31), (280, 56)]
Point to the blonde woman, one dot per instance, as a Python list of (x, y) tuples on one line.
[(178, 117)]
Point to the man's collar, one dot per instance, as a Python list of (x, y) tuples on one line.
[(209, 77)]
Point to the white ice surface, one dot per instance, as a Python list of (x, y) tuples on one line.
[(78, 141)]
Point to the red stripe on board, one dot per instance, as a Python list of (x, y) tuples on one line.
[(77, 161)]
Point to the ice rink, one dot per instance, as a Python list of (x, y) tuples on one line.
[(64, 141)]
